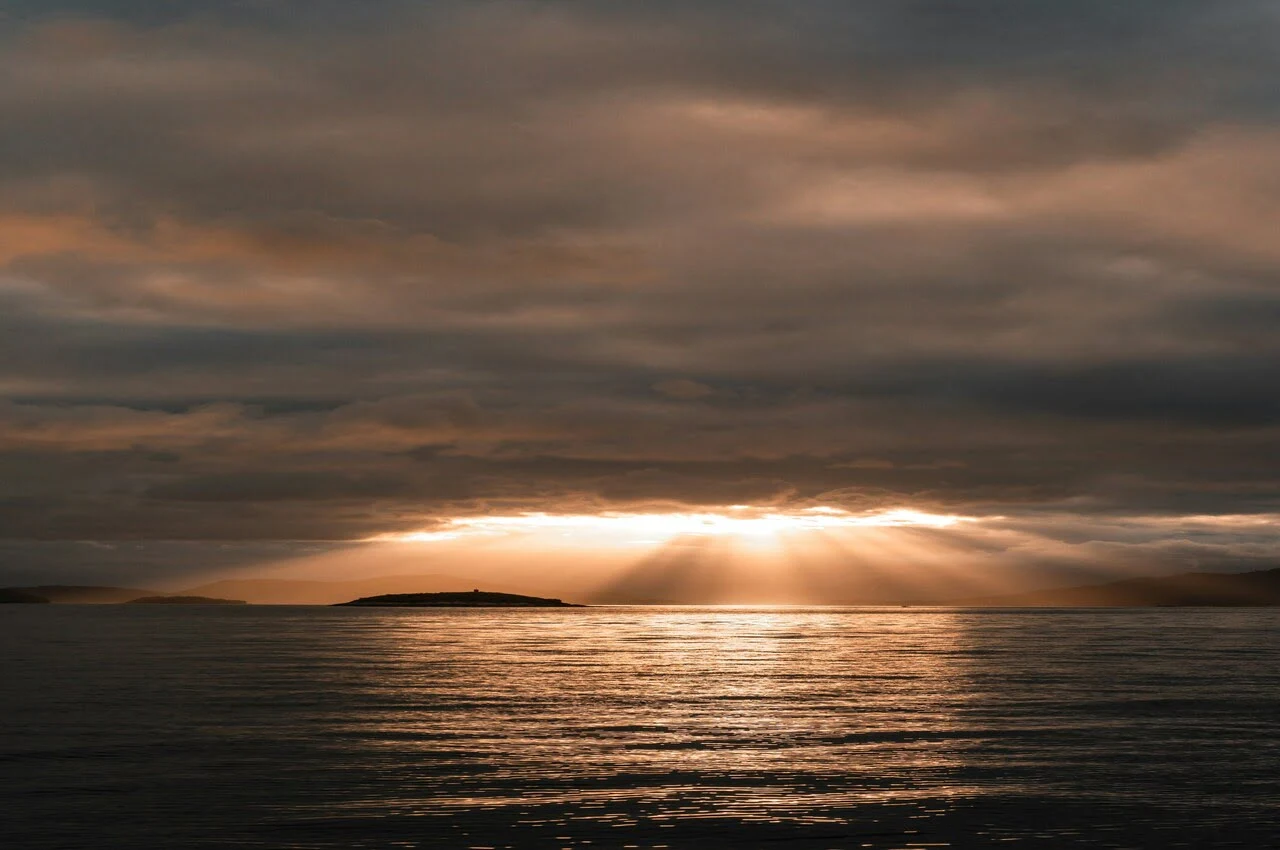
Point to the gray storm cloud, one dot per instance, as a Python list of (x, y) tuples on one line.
[(319, 271)]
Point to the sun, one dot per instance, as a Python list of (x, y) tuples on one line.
[(744, 522)]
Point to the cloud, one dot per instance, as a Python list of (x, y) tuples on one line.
[(324, 270), (683, 389)]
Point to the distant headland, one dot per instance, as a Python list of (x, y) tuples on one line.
[(474, 599), (1220, 590), (9, 594), (76, 594)]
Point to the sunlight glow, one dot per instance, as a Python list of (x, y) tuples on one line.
[(741, 521)]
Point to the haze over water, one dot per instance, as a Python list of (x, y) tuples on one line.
[(639, 727)]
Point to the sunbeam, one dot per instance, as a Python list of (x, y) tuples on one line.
[(740, 521)]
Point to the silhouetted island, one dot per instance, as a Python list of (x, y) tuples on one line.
[(8, 594), (474, 599), (184, 600), (274, 591)]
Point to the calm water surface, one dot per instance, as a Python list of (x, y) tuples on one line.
[(638, 727)]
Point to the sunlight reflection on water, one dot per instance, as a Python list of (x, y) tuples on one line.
[(609, 727)]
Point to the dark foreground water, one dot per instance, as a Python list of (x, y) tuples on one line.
[(149, 726)]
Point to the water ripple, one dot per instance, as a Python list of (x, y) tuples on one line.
[(625, 727)]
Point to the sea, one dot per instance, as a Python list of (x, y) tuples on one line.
[(638, 727)]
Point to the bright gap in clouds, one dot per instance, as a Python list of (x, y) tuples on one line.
[(740, 521)]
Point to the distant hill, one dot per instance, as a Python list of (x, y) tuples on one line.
[(9, 595), (263, 591), (1261, 588), (184, 600), (474, 599), (85, 594)]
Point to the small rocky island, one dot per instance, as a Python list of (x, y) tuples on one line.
[(474, 599), (184, 600)]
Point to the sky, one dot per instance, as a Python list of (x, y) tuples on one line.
[(277, 278)]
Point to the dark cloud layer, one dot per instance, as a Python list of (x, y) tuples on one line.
[(319, 271)]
